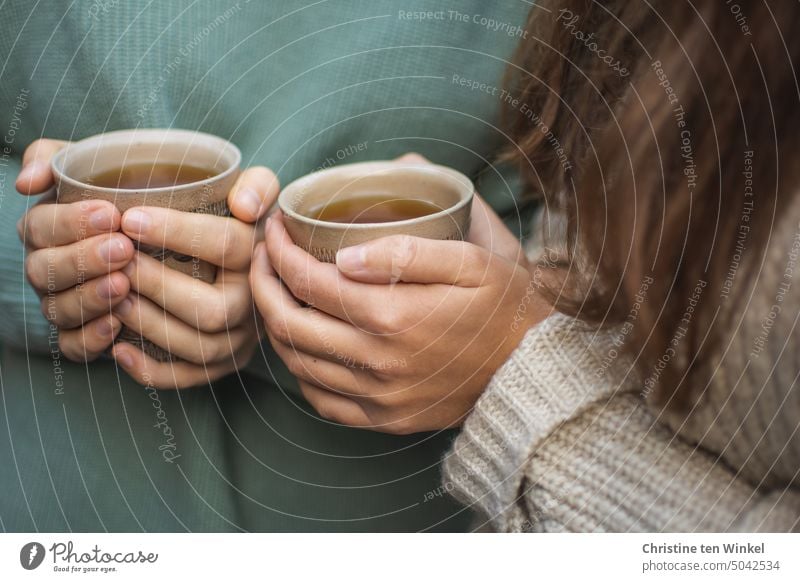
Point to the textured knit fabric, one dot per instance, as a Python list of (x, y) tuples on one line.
[(564, 439), (297, 86)]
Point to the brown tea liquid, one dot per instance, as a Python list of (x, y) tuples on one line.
[(372, 208), (142, 176)]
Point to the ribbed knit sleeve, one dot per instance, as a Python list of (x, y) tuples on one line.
[(21, 321), (562, 441)]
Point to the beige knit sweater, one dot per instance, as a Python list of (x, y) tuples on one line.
[(563, 441)]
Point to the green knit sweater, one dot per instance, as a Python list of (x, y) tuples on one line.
[(296, 85)]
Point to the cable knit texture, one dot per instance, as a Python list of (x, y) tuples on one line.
[(563, 439)]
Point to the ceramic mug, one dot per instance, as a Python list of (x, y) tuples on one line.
[(79, 160), (444, 187)]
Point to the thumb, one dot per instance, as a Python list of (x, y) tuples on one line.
[(35, 176), (412, 259), (253, 194)]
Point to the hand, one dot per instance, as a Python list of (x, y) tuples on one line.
[(76, 263), (403, 333), (74, 259), (212, 327)]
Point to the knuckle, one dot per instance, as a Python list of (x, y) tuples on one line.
[(68, 348), (325, 410), (404, 253), (77, 260), (390, 400), (476, 258), (148, 279), (401, 427), (48, 308), (212, 351), (232, 245), (389, 321), (34, 271), (29, 230), (239, 308), (214, 317), (155, 282), (384, 378), (279, 329), (300, 286), (232, 307), (93, 206)]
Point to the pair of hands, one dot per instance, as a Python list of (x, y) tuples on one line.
[(83, 264), (401, 335)]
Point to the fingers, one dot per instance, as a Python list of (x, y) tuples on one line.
[(489, 232), (331, 376), (82, 303), (148, 320), (413, 158), (88, 342), (304, 329), (254, 192), (36, 176), (50, 225), (312, 282), (209, 308), (167, 375), (335, 407), (57, 268), (414, 260), (225, 242)]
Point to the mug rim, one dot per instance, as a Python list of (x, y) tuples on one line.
[(412, 167), (60, 175)]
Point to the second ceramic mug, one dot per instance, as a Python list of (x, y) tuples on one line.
[(109, 151), (442, 186)]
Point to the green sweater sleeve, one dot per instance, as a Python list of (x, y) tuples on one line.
[(22, 324)]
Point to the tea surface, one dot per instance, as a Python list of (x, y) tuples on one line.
[(372, 208), (142, 176)]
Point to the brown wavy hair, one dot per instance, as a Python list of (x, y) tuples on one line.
[(659, 132)]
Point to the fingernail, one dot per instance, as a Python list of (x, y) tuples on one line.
[(112, 250), (352, 258), (136, 221), (124, 307), (101, 219), (106, 289), (123, 358), (249, 200), (104, 328)]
